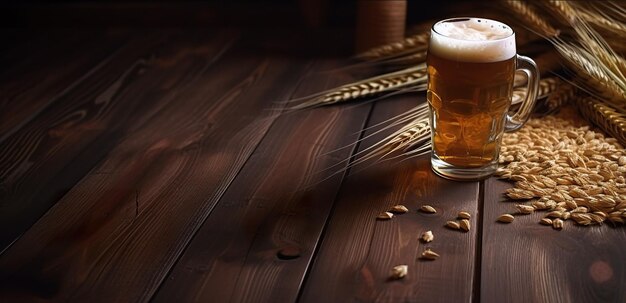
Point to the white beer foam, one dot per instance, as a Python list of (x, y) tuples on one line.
[(472, 40)]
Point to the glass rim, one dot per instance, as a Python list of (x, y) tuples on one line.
[(433, 30)]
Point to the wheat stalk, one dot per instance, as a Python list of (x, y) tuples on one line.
[(562, 10), (410, 141), (606, 117), (563, 94), (553, 93), (609, 17), (594, 43), (604, 22), (616, 10), (546, 86), (531, 18), (418, 42), (601, 19), (416, 130), (590, 69), (414, 77), (613, 65)]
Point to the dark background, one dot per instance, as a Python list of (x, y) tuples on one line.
[(235, 13)]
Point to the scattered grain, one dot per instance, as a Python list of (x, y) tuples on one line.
[(428, 209), (400, 271), (464, 224), (385, 216), (524, 209), (428, 236), (554, 214), (506, 218), (464, 215), (429, 254), (453, 225), (399, 209), (546, 221), (557, 224)]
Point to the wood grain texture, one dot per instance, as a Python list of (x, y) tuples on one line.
[(48, 155), (37, 73), (115, 235), (528, 262), (276, 202), (357, 252)]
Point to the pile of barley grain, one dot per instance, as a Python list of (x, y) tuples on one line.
[(572, 172)]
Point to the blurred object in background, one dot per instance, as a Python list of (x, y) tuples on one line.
[(379, 22), (314, 12)]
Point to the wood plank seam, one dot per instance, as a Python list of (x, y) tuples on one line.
[(345, 174), (305, 74), (479, 242), (225, 188)]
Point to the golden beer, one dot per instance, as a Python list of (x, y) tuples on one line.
[(471, 68), (469, 102)]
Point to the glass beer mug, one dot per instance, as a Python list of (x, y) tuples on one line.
[(471, 68)]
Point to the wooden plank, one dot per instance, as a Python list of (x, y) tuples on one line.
[(528, 262), (357, 252), (116, 234), (48, 155), (41, 72), (270, 207)]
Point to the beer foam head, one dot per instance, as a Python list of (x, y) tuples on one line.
[(472, 40)]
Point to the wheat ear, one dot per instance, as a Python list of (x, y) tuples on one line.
[(531, 18), (594, 43), (398, 120), (546, 86), (564, 93), (609, 18), (591, 70), (411, 77), (413, 136), (604, 23), (606, 117), (412, 129), (589, 39)]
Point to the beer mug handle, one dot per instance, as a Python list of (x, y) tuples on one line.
[(529, 67)]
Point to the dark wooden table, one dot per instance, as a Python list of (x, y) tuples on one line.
[(148, 165)]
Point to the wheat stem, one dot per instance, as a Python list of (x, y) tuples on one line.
[(410, 44), (531, 18), (589, 68), (612, 64), (410, 77)]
